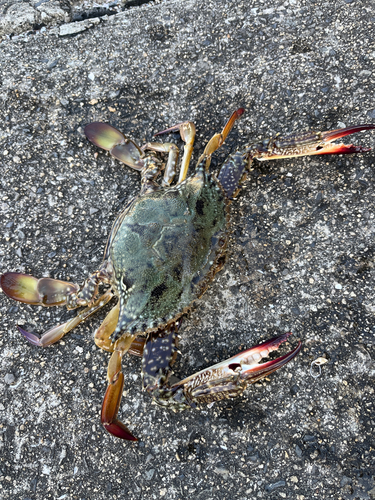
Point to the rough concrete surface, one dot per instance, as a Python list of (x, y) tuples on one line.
[(302, 250)]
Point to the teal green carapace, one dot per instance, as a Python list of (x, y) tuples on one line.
[(165, 249)]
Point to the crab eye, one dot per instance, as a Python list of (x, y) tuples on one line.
[(126, 283)]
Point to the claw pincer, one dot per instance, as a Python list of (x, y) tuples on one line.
[(164, 249), (311, 143), (228, 378)]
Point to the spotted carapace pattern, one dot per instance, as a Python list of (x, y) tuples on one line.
[(165, 250)]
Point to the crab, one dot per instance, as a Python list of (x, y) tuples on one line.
[(164, 249)]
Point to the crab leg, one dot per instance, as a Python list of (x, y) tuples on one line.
[(112, 398), (159, 354), (173, 153), (58, 331), (103, 334), (109, 138), (227, 379), (187, 132), (218, 139), (51, 292), (290, 146)]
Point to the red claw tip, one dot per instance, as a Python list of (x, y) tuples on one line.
[(118, 429)]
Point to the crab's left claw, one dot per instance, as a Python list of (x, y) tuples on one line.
[(230, 378), (332, 135)]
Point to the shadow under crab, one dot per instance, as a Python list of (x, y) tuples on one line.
[(164, 249)]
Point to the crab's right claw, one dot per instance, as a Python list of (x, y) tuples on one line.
[(247, 361), (109, 138), (42, 292)]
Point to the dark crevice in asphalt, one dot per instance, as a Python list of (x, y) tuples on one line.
[(37, 27), (102, 11), (93, 13), (136, 3)]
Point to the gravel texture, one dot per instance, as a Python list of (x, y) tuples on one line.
[(302, 249)]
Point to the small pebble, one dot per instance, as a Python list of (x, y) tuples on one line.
[(9, 378)]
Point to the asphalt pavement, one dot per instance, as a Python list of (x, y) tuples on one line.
[(301, 252)]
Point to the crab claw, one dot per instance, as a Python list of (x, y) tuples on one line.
[(109, 138), (42, 292), (309, 143), (247, 362), (332, 135), (290, 146), (230, 377)]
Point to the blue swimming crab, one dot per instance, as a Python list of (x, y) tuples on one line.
[(164, 249)]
